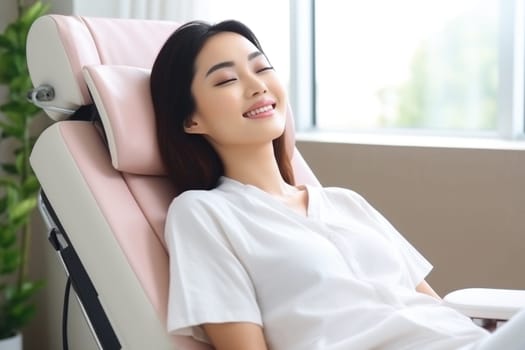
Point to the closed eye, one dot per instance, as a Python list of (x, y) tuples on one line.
[(225, 82), (264, 69)]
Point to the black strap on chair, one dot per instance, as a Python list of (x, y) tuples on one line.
[(82, 285)]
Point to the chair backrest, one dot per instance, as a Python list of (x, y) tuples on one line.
[(109, 193)]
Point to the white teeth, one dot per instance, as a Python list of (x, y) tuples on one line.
[(258, 110)]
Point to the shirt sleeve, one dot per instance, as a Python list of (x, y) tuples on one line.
[(417, 266), (208, 283)]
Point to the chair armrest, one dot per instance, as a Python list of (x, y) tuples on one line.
[(486, 303)]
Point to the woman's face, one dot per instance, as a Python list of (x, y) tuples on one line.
[(239, 98)]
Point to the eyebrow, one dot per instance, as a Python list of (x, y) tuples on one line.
[(227, 64)]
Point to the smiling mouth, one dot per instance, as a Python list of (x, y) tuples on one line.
[(256, 111)]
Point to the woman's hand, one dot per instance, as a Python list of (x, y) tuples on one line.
[(424, 287), (236, 336)]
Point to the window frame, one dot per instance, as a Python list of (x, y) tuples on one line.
[(511, 98), (302, 63)]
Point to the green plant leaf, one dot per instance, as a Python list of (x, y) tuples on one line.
[(3, 204), (7, 237), (6, 67), (9, 168), (15, 226), (22, 84), (9, 262), (10, 130), (19, 62), (8, 182), (18, 309), (20, 314), (18, 102), (22, 209), (31, 186), (12, 194), (26, 291), (32, 12), (18, 186), (20, 162), (11, 34), (14, 111), (5, 44)]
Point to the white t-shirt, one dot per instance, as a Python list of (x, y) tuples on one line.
[(341, 277)]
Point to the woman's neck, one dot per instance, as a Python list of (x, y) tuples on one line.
[(255, 166)]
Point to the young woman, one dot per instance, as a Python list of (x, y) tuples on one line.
[(257, 261)]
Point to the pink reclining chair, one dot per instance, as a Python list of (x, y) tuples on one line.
[(103, 193), (104, 196)]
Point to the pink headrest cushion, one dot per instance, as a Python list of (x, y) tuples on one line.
[(123, 99)]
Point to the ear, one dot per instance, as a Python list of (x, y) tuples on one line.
[(192, 125)]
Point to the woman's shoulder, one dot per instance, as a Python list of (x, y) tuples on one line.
[(195, 217), (195, 210), (193, 199), (195, 196)]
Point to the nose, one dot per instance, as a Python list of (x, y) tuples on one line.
[(255, 86)]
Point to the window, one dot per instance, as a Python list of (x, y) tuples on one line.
[(449, 66)]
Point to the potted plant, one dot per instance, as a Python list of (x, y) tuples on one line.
[(18, 185)]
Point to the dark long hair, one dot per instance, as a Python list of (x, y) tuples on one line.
[(190, 160)]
